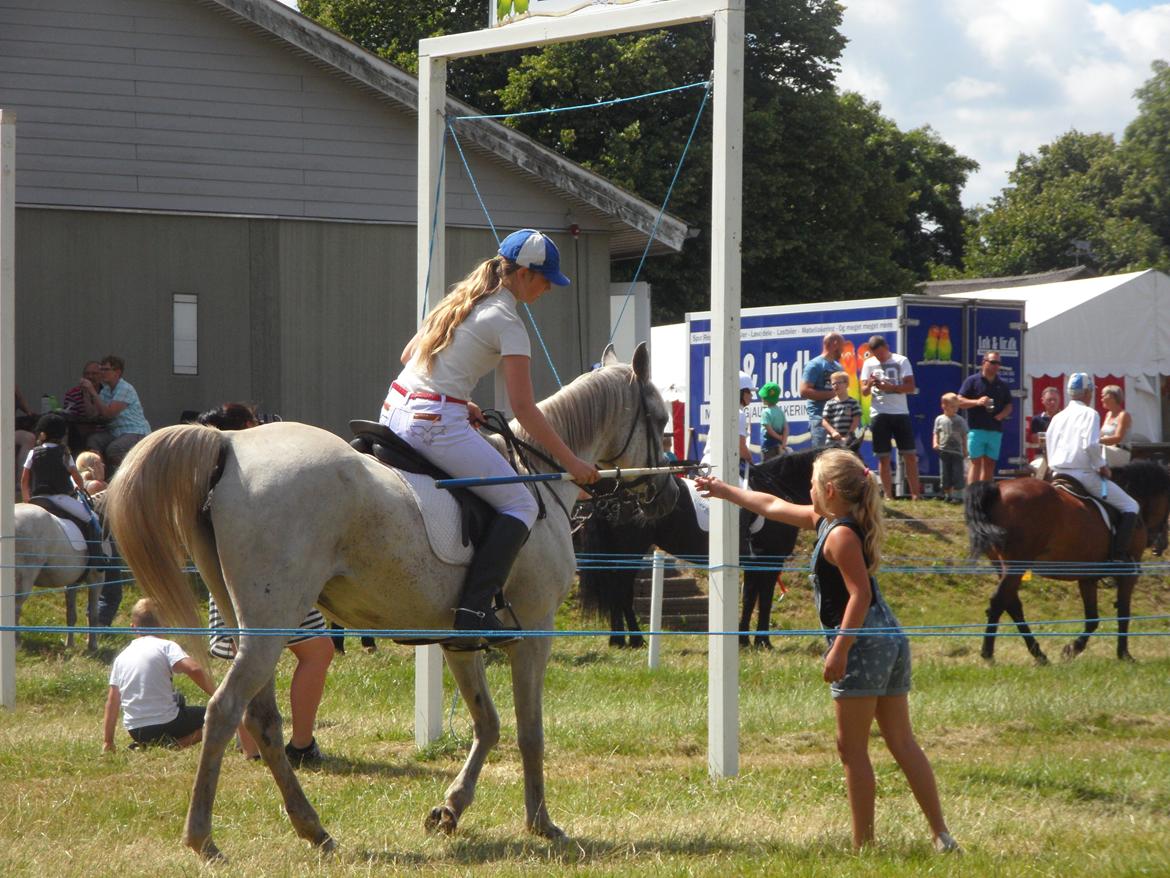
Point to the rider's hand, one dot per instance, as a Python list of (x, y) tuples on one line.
[(583, 473), (475, 415)]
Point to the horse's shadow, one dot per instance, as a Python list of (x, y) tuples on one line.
[(346, 767), (917, 525)]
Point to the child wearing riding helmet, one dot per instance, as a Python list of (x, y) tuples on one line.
[(773, 423), (474, 329), (868, 673)]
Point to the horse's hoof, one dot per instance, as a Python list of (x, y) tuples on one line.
[(442, 819), (617, 642), (1070, 652), (326, 844), (988, 658), (1041, 659), (637, 643), (1126, 657), (550, 831), (209, 853)]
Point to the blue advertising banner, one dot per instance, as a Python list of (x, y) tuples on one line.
[(934, 342), (776, 345)]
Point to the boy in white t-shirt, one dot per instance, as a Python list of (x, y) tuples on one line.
[(141, 686)]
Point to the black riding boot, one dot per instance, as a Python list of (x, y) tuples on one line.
[(486, 577), (1123, 536)]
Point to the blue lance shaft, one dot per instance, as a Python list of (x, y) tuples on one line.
[(631, 473)]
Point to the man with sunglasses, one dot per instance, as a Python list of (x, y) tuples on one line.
[(988, 402)]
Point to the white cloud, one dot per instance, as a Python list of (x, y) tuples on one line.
[(999, 77)]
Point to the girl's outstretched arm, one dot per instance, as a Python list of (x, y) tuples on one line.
[(766, 505)]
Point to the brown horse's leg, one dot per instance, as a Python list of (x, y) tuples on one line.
[(1088, 589), (1125, 586), (1015, 609), (467, 669), (529, 661), (995, 609), (262, 719)]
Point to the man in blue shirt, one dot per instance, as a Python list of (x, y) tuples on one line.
[(988, 402), (118, 403), (816, 384)]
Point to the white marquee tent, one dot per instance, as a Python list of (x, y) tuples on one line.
[(1107, 326)]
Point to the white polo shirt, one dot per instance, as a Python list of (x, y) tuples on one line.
[(491, 331), (895, 370), (1073, 440)]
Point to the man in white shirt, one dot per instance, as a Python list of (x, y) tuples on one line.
[(1073, 443), (889, 379)]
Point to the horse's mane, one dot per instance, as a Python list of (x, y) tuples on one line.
[(578, 410), (1143, 480), (788, 476)]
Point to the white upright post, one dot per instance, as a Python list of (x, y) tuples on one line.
[(7, 412), (432, 215), (656, 585), (726, 218)]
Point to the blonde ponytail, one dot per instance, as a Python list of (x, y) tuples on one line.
[(862, 491), (439, 327)]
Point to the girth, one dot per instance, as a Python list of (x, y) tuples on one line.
[(370, 437)]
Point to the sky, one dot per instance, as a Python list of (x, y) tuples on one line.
[(995, 78)]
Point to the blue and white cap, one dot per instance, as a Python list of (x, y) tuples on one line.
[(1079, 383), (529, 248)]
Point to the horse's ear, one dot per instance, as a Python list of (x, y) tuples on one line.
[(608, 357), (641, 362)]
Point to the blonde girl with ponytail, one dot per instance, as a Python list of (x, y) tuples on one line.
[(471, 332), (867, 664)]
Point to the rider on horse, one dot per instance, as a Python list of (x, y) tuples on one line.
[(474, 329), (1074, 449)]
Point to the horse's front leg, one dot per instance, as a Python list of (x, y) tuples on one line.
[(617, 623), (1125, 586), (91, 612), (1088, 589), (251, 669), (70, 613), (529, 661), (468, 671), (632, 624)]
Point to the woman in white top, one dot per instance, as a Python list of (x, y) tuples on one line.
[(1117, 421), (467, 335)]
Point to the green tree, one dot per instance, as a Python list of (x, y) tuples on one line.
[(1146, 152)]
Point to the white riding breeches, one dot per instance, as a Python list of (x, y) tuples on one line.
[(1114, 495), (441, 433)]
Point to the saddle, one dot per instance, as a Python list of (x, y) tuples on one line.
[(1073, 486), (90, 533), (370, 437)]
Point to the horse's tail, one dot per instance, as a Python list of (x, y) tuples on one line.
[(155, 508), (986, 536)]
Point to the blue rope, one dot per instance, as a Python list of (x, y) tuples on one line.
[(661, 211), (434, 224), (706, 83)]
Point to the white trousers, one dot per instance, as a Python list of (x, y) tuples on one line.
[(441, 433), (1114, 495)]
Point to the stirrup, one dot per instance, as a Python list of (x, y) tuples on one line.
[(470, 642)]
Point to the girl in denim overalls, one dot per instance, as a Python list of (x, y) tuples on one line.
[(869, 675)]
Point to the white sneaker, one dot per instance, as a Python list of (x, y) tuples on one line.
[(944, 843)]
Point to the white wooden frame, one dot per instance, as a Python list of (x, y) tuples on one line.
[(726, 224), (7, 412)]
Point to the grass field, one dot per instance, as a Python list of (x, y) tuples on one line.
[(1056, 771)]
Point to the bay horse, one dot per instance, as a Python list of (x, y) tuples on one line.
[(607, 583), (1027, 523), (284, 516), (45, 558)]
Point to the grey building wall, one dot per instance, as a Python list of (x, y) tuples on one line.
[(305, 319), (173, 105)]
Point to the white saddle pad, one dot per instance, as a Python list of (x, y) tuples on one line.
[(440, 513), (703, 510), (72, 533)]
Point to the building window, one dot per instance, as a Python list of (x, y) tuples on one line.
[(185, 309)]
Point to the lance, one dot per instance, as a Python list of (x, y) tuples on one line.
[(682, 466)]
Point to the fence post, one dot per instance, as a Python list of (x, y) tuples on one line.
[(656, 583)]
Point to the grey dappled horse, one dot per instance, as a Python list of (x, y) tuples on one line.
[(46, 559), (298, 518)]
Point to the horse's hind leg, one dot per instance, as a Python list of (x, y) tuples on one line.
[(70, 613), (616, 623), (1125, 586), (91, 612), (632, 625), (750, 592), (467, 669), (529, 660), (1015, 609), (262, 719), (1088, 589), (252, 669)]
